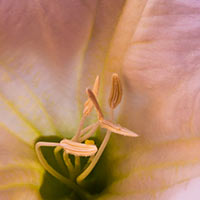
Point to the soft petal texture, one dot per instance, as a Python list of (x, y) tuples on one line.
[(152, 171), (44, 54), (20, 173), (44, 45), (52, 50), (161, 76), (162, 71)]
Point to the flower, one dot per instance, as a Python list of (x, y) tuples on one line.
[(52, 50)]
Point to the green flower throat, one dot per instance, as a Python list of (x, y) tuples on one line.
[(72, 160)]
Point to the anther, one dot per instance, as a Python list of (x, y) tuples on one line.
[(88, 104), (116, 128), (89, 142), (116, 92), (87, 109), (96, 104), (88, 148), (78, 149)]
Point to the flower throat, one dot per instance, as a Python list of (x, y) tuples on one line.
[(78, 156)]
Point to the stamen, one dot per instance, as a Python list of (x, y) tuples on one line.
[(77, 164), (87, 109), (94, 161), (88, 104), (115, 99), (89, 142), (69, 165), (54, 173), (90, 133), (78, 149), (116, 92), (94, 100), (58, 158), (78, 133), (116, 128), (86, 129)]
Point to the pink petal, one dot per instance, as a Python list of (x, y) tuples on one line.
[(161, 72), (50, 52), (161, 75)]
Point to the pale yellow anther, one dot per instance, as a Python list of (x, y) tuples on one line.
[(89, 142), (116, 128), (78, 149), (116, 91), (107, 124), (88, 104), (95, 102)]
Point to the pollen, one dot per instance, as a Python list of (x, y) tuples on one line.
[(89, 142)]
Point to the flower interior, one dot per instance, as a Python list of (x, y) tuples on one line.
[(75, 167)]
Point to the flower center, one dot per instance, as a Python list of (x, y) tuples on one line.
[(76, 160), (52, 188)]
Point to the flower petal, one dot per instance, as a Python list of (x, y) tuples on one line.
[(22, 193), (47, 49), (160, 71), (44, 54), (40, 59), (151, 171), (161, 74), (21, 175)]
